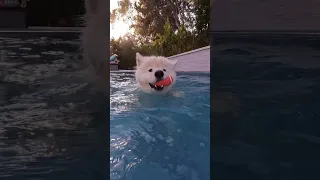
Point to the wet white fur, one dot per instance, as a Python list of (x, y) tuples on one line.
[(144, 77)]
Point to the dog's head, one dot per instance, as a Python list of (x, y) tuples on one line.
[(151, 69)]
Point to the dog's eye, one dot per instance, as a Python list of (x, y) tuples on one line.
[(150, 70), (164, 70)]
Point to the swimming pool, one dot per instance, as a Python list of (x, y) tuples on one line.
[(266, 106), (53, 124), (160, 137)]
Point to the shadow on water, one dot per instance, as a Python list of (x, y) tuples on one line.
[(267, 127), (50, 117)]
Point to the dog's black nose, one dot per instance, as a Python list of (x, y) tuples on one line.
[(159, 74)]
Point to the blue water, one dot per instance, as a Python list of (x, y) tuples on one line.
[(53, 123), (160, 137), (265, 122)]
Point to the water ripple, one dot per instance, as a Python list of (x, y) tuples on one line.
[(159, 137), (48, 114)]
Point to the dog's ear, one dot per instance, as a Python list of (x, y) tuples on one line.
[(139, 59), (91, 6), (173, 61)]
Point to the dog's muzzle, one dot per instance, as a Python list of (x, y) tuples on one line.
[(155, 87)]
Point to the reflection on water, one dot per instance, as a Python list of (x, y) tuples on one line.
[(160, 137), (50, 118)]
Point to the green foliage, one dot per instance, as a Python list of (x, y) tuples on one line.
[(124, 48), (153, 14), (170, 43), (162, 28)]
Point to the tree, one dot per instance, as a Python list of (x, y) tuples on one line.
[(161, 27), (171, 43), (151, 15), (202, 14), (124, 48)]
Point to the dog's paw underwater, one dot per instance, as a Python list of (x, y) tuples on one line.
[(155, 74)]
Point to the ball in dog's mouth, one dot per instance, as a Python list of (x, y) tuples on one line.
[(155, 87)]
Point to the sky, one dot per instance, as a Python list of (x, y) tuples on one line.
[(119, 28)]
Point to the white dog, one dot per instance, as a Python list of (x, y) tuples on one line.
[(95, 44), (151, 69)]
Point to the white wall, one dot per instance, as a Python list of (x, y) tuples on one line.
[(195, 60)]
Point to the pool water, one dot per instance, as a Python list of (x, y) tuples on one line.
[(266, 101), (53, 124), (160, 137)]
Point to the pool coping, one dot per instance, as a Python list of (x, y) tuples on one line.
[(189, 52)]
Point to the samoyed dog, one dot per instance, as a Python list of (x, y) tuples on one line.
[(152, 69), (95, 45)]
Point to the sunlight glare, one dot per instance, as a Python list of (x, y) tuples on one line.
[(119, 28)]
